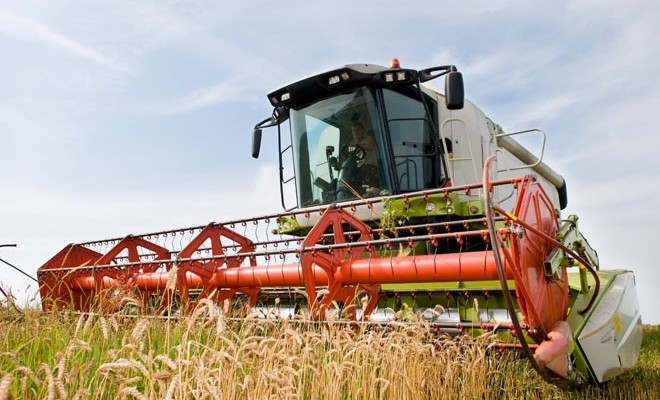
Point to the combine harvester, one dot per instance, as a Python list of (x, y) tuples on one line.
[(409, 204)]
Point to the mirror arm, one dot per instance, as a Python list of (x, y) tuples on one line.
[(426, 75), (280, 114)]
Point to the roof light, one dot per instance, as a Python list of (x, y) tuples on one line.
[(285, 96), (389, 77), (273, 100), (395, 63), (335, 79), (401, 76)]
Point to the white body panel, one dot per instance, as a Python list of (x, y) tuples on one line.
[(612, 337), (474, 137)]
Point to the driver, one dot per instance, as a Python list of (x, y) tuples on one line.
[(368, 166)]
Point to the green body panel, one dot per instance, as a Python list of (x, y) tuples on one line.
[(402, 211), (433, 205)]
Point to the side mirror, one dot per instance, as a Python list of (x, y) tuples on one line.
[(256, 142), (454, 94)]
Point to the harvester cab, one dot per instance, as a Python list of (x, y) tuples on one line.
[(410, 205), (364, 131)]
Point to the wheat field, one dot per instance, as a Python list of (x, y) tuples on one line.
[(205, 356)]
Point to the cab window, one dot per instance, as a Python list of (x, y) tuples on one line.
[(415, 153)]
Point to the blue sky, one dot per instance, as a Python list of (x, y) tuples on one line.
[(122, 117)]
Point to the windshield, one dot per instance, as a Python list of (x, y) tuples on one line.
[(338, 149), (347, 147)]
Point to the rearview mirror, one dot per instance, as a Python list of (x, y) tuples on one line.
[(256, 142), (454, 94)]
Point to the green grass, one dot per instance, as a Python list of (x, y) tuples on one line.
[(204, 356)]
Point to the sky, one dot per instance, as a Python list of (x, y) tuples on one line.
[(121, 117)]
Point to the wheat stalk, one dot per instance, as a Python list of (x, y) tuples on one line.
[(5, 386), (133, 392)]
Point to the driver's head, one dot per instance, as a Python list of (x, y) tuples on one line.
[(358, 130)]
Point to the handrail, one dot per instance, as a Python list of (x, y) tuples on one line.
[(522, 153)]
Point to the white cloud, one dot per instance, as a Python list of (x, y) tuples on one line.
[(550, 107), (28, 29), (228, 91)]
